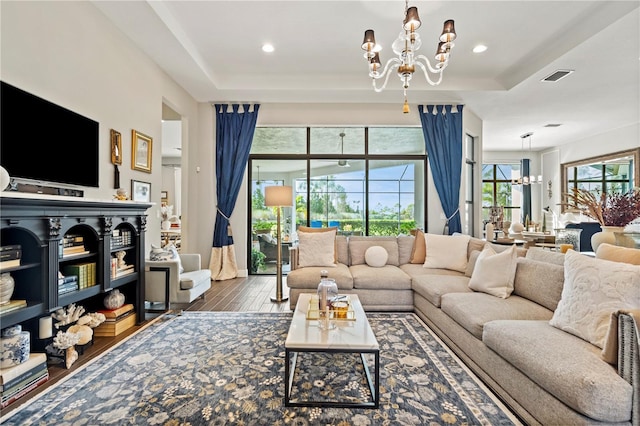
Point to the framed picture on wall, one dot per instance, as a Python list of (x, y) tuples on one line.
[(164, 197), (141, 145), (116, 147), (140, 191)]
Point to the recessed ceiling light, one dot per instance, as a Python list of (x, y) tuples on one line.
[(479, 48), (267, 47)]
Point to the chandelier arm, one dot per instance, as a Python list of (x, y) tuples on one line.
[(386, 73), (426, 74), (428, 63), (390, 65)]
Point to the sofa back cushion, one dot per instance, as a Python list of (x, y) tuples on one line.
[(342, 246), (317, 249), (538, 253), (540, 282), (359, 245), (405, 248)]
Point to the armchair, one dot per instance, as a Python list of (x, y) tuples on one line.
[(187, 281)]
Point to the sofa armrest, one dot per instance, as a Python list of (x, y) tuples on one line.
[(629, 357), (293, 257), (190, 261)]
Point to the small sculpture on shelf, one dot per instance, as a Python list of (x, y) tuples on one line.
[(120, 256), (67, 316)]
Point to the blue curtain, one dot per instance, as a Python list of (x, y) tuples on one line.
[(234, 133), (442, 131)]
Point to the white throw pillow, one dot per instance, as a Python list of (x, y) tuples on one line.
[(446, 251), (168, 252), (376, 256), (316, 249), (494, 273), (593, 290)]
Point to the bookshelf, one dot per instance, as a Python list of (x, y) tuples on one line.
[(45, 227)]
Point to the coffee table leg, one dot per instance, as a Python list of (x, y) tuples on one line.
[(289, 374), (373, 388)]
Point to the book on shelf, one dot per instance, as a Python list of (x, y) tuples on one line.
[(11, 373), (68, 288), (10, 247), (10, 254), (9, 263), (67, 279), (23, 380), (13, 398), (118, 312), (114, 328), (13, 305), (86, 273)]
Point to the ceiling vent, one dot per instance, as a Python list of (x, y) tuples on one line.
[(553, 125), (557, 75)]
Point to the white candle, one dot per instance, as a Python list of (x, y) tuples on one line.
[(45, 329)]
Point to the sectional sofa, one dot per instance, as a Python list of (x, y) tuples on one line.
[(517, 334)]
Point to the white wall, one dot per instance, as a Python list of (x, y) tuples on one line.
[(70, 54)]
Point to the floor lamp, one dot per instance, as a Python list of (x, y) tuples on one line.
[(278, 196)]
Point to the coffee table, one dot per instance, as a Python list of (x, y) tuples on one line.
[(349, 336)]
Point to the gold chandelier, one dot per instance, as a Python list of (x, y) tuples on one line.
[(405, 47)]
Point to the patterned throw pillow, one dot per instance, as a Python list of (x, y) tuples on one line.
[(168, 252), (593, 290)]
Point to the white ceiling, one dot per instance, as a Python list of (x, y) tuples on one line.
[(213, 50)]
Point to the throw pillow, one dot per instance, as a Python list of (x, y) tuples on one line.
[(446, 252), (593, 289), (419, 251), (330, 229), (494, 273), (618, 254), (376, 256), (316, 248)]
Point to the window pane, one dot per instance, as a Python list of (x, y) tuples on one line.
[(327, 140), (590, 172), (283, 140), (487, 172), (396, 141), (507, 171)]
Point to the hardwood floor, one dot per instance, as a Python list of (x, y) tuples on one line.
[(251, 294)]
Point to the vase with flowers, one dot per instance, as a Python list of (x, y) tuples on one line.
[(613, 211), (166, 214)]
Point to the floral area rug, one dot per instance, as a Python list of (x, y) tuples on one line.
[(215, 368)]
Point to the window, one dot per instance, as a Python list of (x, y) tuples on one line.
[(365, 181), (497, 190)]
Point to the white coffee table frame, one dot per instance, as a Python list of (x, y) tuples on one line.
[(348, 337)]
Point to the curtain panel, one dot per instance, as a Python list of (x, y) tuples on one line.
[(234, 134), (442, 129)]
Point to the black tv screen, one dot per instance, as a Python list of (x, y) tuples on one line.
[(44, 142)]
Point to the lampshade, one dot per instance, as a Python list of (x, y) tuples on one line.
[(369, 41), (375, 64), (412, 21), (448, 32), (278, 196), (442, 53)]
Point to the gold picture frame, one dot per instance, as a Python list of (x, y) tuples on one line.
[(116, 147), (141, 149)]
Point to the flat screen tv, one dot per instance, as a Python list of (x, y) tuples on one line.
[(44, 142)]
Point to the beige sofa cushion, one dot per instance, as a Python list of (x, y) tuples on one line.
[(189, 280), (309, 277), (386, 277), (539, 254), (540, 282), (566, 366), (405, 246), (473, 310), (359, 245), (432, 287), (419, 270)]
